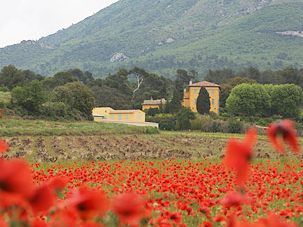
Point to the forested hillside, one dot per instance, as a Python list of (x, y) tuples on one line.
[(164, 35)]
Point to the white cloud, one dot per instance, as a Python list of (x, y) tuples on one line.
[(32, 19)]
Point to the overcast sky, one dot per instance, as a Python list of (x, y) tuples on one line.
[(33, 19)]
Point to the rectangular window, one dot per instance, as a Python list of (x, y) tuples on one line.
[(212, 102), (120, 117), (126, 117), (112, 117)]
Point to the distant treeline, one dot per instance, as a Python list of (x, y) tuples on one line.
[(73, 93)]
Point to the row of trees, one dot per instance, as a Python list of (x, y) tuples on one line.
[(265, 100), (73, 93), (288, 75)]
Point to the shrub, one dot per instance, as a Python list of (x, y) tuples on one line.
[(207, 124), (166, 121), (77, 97), (235, 126), (29, 97), (153, 111), (55, 110), (183, 119)]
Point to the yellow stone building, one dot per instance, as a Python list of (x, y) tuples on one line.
[(156, 104), (107, 114), (191, 94)]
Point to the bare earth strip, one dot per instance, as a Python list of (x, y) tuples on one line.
[(131, 147)]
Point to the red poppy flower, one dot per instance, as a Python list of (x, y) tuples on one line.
[(3, 223), (42, 199), (175, 217), (63, 218), (15, 177), (58, 183), (129, 208), (207, 224), (38, 223), (283, 131), (3, 146), (273, 220), (234, 199), (239, 154), (89, 203)]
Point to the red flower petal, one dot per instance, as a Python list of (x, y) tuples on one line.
[(129, 208), (283, 131), (3, 146)]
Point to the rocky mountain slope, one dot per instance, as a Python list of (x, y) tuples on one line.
[(164, 35)]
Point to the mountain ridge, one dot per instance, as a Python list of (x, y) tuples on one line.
[(163, 35)]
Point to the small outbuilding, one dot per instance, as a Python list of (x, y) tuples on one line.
[(153, 104), (107, 114)]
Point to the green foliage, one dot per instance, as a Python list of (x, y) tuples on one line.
[(84, 77), (248, 100), (250, 35), (227, 86), (77, 97), (207, 123), (11, 77), (5, 98), (110, 97), (235, 126), (203, 102), (166, 121), (286, 100), (151, 86), (59, 79), (183, 119), (21, 127), (55, 110), (128, 89), (265, 100), (153, 111), (182, 80), (29, 97)]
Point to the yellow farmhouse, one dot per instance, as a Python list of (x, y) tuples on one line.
[(107, 114), (156, 104), (191, 94)]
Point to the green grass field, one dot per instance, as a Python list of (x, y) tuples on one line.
[(20, 127)]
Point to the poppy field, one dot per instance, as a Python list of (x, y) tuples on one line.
[(236, 190)]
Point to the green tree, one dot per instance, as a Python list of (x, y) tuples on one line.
[(286, 100), (203, 102), (77, 97), (11, 77), (219, 76), (55, 110), (229, 85), (249, 100), (183, 119), (182, 80), (85, 77), (29, 97), (110, 97), (59, 79)]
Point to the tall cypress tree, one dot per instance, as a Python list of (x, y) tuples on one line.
[(203, 102)]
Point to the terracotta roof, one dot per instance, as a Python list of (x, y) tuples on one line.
[(204, 84), (154, 102), (123, 111)]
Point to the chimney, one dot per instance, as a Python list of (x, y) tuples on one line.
[(190, 82)]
